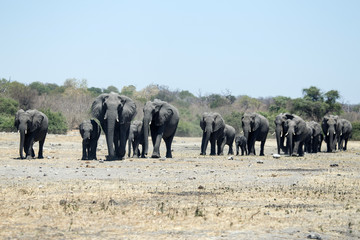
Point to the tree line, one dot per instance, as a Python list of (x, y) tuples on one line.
[(69, 104)]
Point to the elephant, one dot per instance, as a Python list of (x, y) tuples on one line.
[(213, 126), (298, 133), (240, 142), (330, 127), (90, 132), (256, 128), (280, 132), (114, 113), (33, 127), (345, 130), (314, 143), (163, 119), (136, 137)]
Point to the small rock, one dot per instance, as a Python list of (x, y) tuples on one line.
[(314, 236), (231, 158), (276, 155), (334, 165), (45, 174), (260, 162), (201, 187)]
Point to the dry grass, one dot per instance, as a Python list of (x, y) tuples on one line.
[(187, 197)]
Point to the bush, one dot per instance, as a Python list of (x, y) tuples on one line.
[(7, 123), (234, 120), (57, 122), (8, 106), (356, 131), (188, 129)]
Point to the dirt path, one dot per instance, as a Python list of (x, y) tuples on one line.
[(187, 197)]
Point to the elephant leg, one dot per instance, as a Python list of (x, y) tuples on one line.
[(168, 142), (30, 152), (156, 137), (251, 146), (220, 146), (41, 147), (262, 148), (136, 151), (345, 146), (92, 150), (84, 155), (237, 149), (301, 149), (156, 151), (212, 146), (296, 148), (231, 151)]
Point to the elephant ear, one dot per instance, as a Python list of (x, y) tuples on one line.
[(289, 116), (257, 121), (97, 107), (128, 110), (165, 113), (37, 118), (202, 121), (300, 125), (218, 122), (17, 118), (81, 129)]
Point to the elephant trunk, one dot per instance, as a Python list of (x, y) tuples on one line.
[(129, 144), (205, 141), (146, 123), (111, 121), (22, 141), (278, 132), (290, 142), (331, 141)]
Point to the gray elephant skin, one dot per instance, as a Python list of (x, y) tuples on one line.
[(329, 126), (217, 132), (90, 132), (344, 133), (313, 144), (136, 137), (163, 119), (298, 133), (241, 142), (115, 113), (33, 127), (280, 132), (256, 128)]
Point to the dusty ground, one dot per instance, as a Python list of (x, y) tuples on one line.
[(187, 197)]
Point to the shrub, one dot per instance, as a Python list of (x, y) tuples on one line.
[(356, 131), (57, 122), (7, 123), (188, 129)]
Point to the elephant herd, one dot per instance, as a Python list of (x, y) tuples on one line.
[(113, 113)]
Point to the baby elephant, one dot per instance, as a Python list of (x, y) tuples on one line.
[(90, 132), (240, 141)]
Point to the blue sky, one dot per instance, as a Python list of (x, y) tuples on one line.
[(255, 48)]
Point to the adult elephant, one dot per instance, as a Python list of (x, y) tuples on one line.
[(256, 128), (33, 127), (280, 132), (213, 126), (330, 127), (114, 113), (298, 133), (344, 129), (136, 137), (316, 139), (163, 119)]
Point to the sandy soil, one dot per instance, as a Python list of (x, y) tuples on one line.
[(187, 197)]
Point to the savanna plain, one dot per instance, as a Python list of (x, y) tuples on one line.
[(187, 197)]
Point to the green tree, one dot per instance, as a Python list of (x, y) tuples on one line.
[(312, 94)]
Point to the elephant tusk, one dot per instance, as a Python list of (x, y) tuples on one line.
[(273, 134), (117, 120), (294, 134), (25, 131), (286, 134)]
